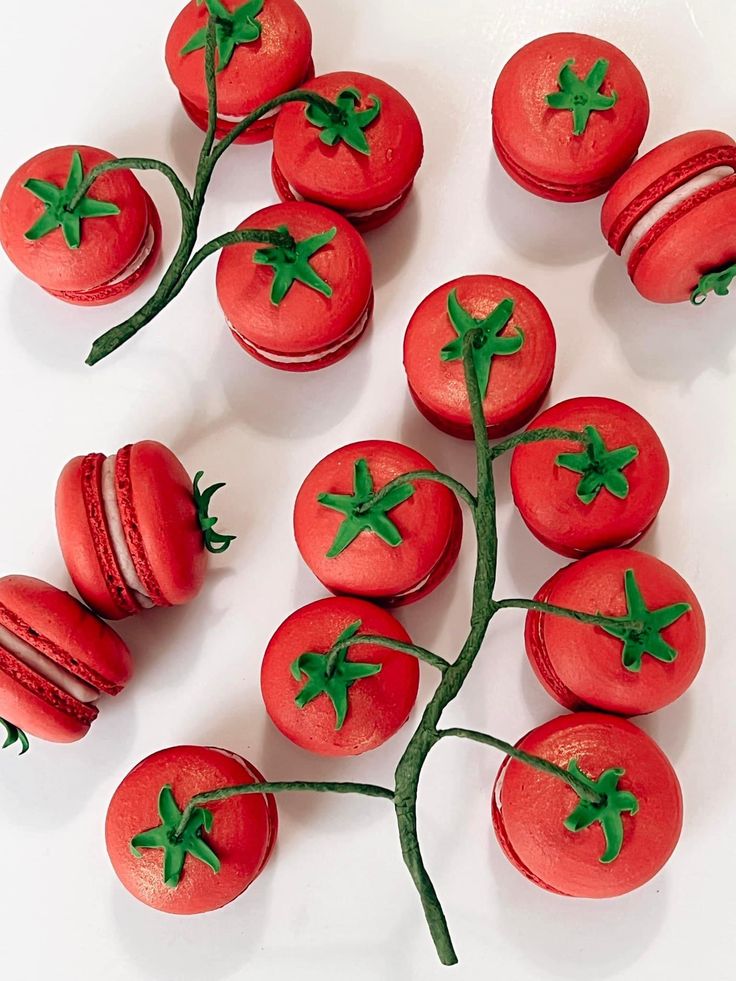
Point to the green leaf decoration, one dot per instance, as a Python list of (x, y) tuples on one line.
[(607, 812), (581, 96), (58, 214), (291, 265), (718, 282), (213, 540), (363, 512), (349, 123), (332, 674), (232, 29), (14, 735), (487, 344), (176, 848), (640, 630), (600, 468)]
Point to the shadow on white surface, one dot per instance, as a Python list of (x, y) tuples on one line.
[(391, 246)]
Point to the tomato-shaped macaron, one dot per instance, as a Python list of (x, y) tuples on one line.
[(582, 497), (209, 862), (362, 162), (393, 548), (333, 697), (672, 217), (264, 48), (56, 660), (577, 847), (134, 529), (638, 665), (569, 113), (514, 356), (304, 306), (87, 252)]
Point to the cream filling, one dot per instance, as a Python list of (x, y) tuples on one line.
[(145, 250), (306, 358), (353, 214), (47, 668), (669, 203), (238, 119), (117, 536)]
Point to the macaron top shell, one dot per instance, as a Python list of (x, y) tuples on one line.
[(242, 832), (582, 664), (305, 320), (108, 243), (531, 807), (277, 61), (341, 176), (369, 566), (515, 381), (377, 706), (547, 493), (540, 139)]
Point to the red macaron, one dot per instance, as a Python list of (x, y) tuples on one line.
[(363, 165), (569, 113), (56, 659), (351, 705), (575, 848), (672, 216), (514, 358), (134, 530), (578, 499), (224, 847), (264, 48), (619, 669), (93, 254), (299, 308), (394, 551)]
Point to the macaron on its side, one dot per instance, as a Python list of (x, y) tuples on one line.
[(540, 145), (241, 835), (367, 188), (276, 60), (535, 814), (516, 358)]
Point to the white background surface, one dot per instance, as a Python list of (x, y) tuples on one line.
[(336, 900)]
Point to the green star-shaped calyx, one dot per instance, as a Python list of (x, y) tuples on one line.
[(718, 282), (332, 674), (487, 343), (600, 468), (177, 847), (581, 96), (613, 803), (58, 214), (349, 123), (364, 511), (213, 540), (232, 29), (291, 265), (641, 629), (14, 735)]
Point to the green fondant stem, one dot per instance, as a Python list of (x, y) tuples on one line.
[(434, 476), (134, 163), (537, 436), (595, 619), (420, 653)]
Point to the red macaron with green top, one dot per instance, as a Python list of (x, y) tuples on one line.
[(89, 252), (345, 704), (577, 847), (264, 48), (360, 161), (514, 355), (672, 217), (639, 664), (605, 492), (221, 850), (303, 306), (134, 529), (394, 548), (569, 114), (56, 660)]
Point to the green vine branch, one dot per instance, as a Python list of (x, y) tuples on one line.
[(433, 476), (538, 436), (594, 619), (420, 653)]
